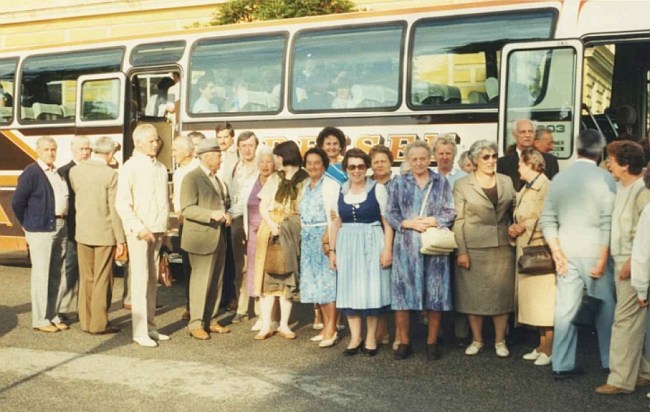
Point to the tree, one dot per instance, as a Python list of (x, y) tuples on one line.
[(246, 11)]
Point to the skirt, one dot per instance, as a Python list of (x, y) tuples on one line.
[(317, 280), (362, 283), (488, 287)]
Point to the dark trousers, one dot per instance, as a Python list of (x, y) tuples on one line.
[(228, 293)]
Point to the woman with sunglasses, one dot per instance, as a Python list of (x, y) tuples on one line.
[(485, 275), (361, 252)]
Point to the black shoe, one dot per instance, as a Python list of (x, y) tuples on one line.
[(560, 375), (605, 370), (433, 353), (354, 351), (370, 352), (403, 351)]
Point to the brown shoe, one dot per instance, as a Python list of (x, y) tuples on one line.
[(47, 329), (199, 334), (127, 307), (642, 382), (219, 329), (61, 326), (185, 315), (287, 335), (608, 389)]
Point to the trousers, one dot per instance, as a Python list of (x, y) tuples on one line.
[(95, 286), (239, 248)]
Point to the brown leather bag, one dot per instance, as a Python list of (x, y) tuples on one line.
[(536, 260), (275, 263), (164, 274)]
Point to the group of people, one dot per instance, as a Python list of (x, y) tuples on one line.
[(337, 229)]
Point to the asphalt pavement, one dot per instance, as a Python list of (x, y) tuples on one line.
[(74, 371)]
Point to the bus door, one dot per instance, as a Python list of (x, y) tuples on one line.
[(101, 108), (541, 81)]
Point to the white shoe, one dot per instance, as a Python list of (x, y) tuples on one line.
[(326, 343), (501, 349), (543, 360), (474, 348), (318, 326), (275, 326), (257, 326), (146, 342), (317, 338), (534, 355), (155, 335), (340, 327)]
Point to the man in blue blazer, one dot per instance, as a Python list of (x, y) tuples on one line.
[(576, 223)]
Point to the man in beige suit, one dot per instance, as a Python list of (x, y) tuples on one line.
[(99, 228), (203, 207)]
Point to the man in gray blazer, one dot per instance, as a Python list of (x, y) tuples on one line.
[(576, 223), (205, 217), (99, 228)]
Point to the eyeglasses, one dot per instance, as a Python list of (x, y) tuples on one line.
[(352, 168), (489, 156)]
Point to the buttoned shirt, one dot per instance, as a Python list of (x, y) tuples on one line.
[(59, 186), (452, 176), (229, 159), (243, 177), (215, 182), (142, 197), (177, 181)]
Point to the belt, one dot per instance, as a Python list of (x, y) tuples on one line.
[(60, 216), (315, 224)]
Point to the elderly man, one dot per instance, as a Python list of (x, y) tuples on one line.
[(142, 202), (543, 140), (444, 149), (99, 230), (576, 222), (80, 147), (40, 204), (204, 210), (183, 153), (524, 134)]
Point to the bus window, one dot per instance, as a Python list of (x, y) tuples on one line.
[(456, 61), (157, 53), (7, 78), (237, 75), (344, 69), (100, 99), (49, 82)]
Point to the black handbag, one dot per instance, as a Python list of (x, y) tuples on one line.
[(536, 260), (586, 314)]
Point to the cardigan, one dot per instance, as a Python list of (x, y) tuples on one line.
[(33, 200)]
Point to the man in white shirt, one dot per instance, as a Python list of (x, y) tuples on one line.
[(445, 150), (204, 103), (143, 205)]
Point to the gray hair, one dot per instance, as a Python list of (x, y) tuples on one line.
[(143, 130), (417, 144), (44, 139), (185, 143), (77, 140), (478, 147), (462, 158), (591, 143), (446, 138), (541, 131), (516, 123), (261, 151), (104, 145)]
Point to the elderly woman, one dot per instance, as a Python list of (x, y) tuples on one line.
[(318, 280), (279, 200), (419, 282), (629, 368), (535, 294), (485, 275), (464, 163), (252, 219), (362, 252)]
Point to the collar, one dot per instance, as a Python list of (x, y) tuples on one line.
[(518, 152), (345, 188), (99, 159), (207, 171), (45, 167), (143, 157), (410, 177)]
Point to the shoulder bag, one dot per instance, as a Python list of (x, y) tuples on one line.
[(536, 260), (436, 240), (275, 262)]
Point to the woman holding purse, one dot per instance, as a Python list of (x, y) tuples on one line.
[(535, 293)]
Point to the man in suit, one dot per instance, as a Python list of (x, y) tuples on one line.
[(40, 203), (524, 134), (100, 228), (142, 201), (205, 217), (80, 147), (576, 222)]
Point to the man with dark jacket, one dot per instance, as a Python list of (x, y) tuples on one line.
[(41, 205)]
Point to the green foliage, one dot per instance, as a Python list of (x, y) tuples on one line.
[(245, 11)]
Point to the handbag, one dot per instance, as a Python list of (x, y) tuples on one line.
[(164, 274), (588, 310), (536, 260), (122, 257), (435, 240), (275, 263)]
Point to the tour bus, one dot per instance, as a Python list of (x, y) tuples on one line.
[(383, 77)]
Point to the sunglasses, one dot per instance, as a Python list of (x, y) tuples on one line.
[(489, 156), (352, 168)]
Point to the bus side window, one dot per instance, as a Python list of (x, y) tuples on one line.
[(456, 61), (49, 83), (349, 68), (7, 78), (100, 99)]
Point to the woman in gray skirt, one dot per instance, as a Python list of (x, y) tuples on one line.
[(485, 273)]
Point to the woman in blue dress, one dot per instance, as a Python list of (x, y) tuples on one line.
[(419, 282), (318, 280), (361, 251)]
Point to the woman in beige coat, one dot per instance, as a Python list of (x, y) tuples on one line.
[(536, 293)]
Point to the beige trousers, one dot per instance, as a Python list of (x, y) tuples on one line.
[(95, 286), (206, 284), (143, 279), (626, 360)]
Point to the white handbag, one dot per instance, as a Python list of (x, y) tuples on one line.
[(436, 240)]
